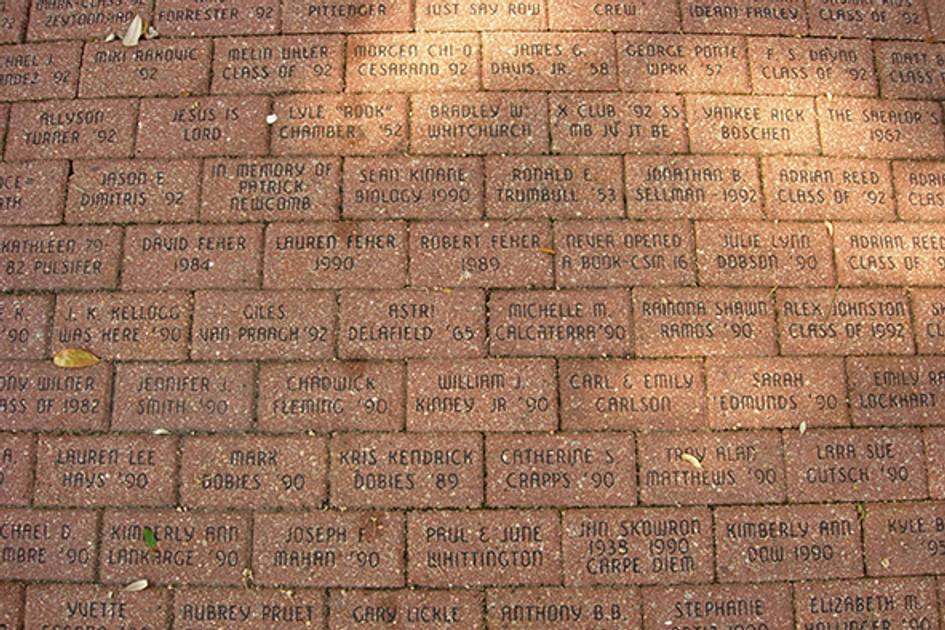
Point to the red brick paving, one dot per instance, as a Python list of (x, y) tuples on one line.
[(477, 315)]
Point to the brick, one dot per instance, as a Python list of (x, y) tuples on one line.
[(617, 123), (192, 547), (593, 469), (762, 254), (903, 538), (555, 186), (693, 186), (904, 21), (398, 470), (920, 190), (735, 467), (55, 544), (4, 117), (183, 397), (481, 254), (31, 192), (270, 189), (88, 471), (152, 68), (253, 325), (57, 257), (124, 325), (878, 128), (934, 441), (928, 308), (904, 602), (40, 71), (336, 16), (67, 21), (768, 17), (936, 20), (38, 396), (796, 542), (890, 253), (274, 65), (189, 18), (637, 546), (412, 62), (339, 124), (329, 549), (475, 123), (579, 322), (782, 65), (56, 130), (575, 608), (436, 15), (249, 609), (548, 61), (810, 188), (910, 69), (634, 15), (758, 605), (481, 395), (450, 548), (412, 188), (331, 396), (17, 456), (12, 25), (94, 606), (24, 325), (132, 191), (892, 391), (844, 321), (346, 254), (191, 256), (253, 472), (751, 124), (603, 394), (408, 609), (412, 323), (11, 604), (776, 392), (702, 321), (204, 126), (682, 63)]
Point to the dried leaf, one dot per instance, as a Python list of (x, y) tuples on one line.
[(885, 563), (547, 250), (692, 460), (802, 427), (110, 37), (271, 119), (134, 32), (74, 358), (137, 585), (150, 32), (160, 432), (829, 227), (149, 538)]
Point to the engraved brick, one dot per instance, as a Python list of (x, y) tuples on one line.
[(182, 397), (766, 543), (910, 69), (792, 65), (810, 188), (448, 548), (693, 186), (481, 395), (96, 606), (17, 456), (56, 544), (40, 71), (253, 609), (904, 21), (877, 128), (407, 609), (759, 605), (32, 192), (346, 254), (891, 391), (752, 124), (574, 322), (192, 547), (152, 68), (637, 546), (337, 16), (67, 21), (254, 325), (934, 441), (356, 549), (844, 321), (734, 467), (928, 308), (890, 253), (557, 186), (412, 62), (52, 130), (634, 15), (481, 254), (631, 394), (398, 470), (435, 15), (24, 325), (701, 321), (548, 61), (474, 123), (11, 593), (412, 188), (273, 65), (412, 323), (776, 392), (617, 123), (682, 63), (12, 24), (58, 257), (541, 608), (331, 396), (764, 17), (903, 538), (38, 396), (339, 124), (133, 191), (936, 20), (920, 190), (86, 471), (124, 325), (593, 469), (206, 126), (270, 189), (190, 18), (253, 472), (904, 602)]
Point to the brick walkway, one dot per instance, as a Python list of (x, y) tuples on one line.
[(526, 314)]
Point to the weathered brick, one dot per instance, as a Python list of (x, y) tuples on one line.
[(682, 63), (435, 15), (67, 21), (31, 193), (904, 21), (904, 602), (928, 309), (40, 71), (920, 190), (13, 22), (792, 65), (891, 391), (58, 257), (25, 325), (910, 69), (548, 61), (54, 544), (633, 15), (765, 17), (878, 128), (751, 124), (11, 593), (936, 20), (152, 68), (759, 605), (249, 609), (190, 18), (338, 16), (901, 254), (94, 606), (553, 608), (934, 442), (204, 126), (17, 457), (903, 538), (55, 130), (406, 609), (274, 65), (38, 396), (412, 62)]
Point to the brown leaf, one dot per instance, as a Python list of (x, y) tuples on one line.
[(692, 460), (75, 358)]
